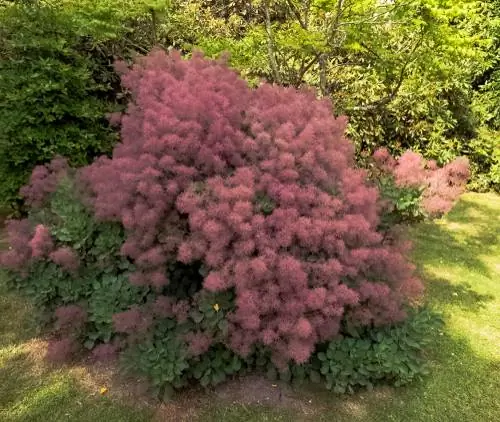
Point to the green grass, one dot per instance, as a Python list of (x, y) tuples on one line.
[(458, 257), (30, 390)]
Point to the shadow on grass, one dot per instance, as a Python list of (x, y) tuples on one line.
[(460, 387), (462, 295), (28, 388), (472, 229), (32, 392), (18, 322), (15, 373)]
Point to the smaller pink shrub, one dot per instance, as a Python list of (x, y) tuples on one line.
[(441, 186), (410, 170), (41, 244), (44, 181), (446, 184), (19, 234), (105, 352)]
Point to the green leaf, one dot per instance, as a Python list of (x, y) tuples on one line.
[(321, 356), (315, 377), (168, 392), (325, 368), (89, 344), (197, 316)]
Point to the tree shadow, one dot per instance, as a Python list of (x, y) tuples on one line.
[(461, 385), (32, 391), (16, 374), (441, 291), (19, 320), (470, 231)]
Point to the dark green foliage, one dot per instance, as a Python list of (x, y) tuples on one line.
[(162, 354), (70, 221), (110, 293), (185, 280), (215, 366), (101, 284), (53, 94), (162, 357), (401, 204), (210, 312), (487, 84), (484, 151), (264, 204), (392, 354), (49, 286)]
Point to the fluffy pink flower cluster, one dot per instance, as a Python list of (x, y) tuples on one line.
[(105, 352), (44, 181), (66, 257), (131, 321), (441, 185), (28, 245), (258, 185), (62, 350), (198, 343), (70, 318), (19, 234), (41, 243)]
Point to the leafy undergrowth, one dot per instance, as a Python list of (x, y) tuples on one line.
[(31, 390), (459, 257)]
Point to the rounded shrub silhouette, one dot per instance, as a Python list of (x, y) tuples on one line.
[(260, 187), (229, 230)]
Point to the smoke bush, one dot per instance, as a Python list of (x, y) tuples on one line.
[(260, 187), (66, 258), (44, 181), (60, 351), (229, 230), (437, 188), (70, 318), (105, 352)]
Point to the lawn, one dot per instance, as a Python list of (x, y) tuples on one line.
[(459, 259)]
